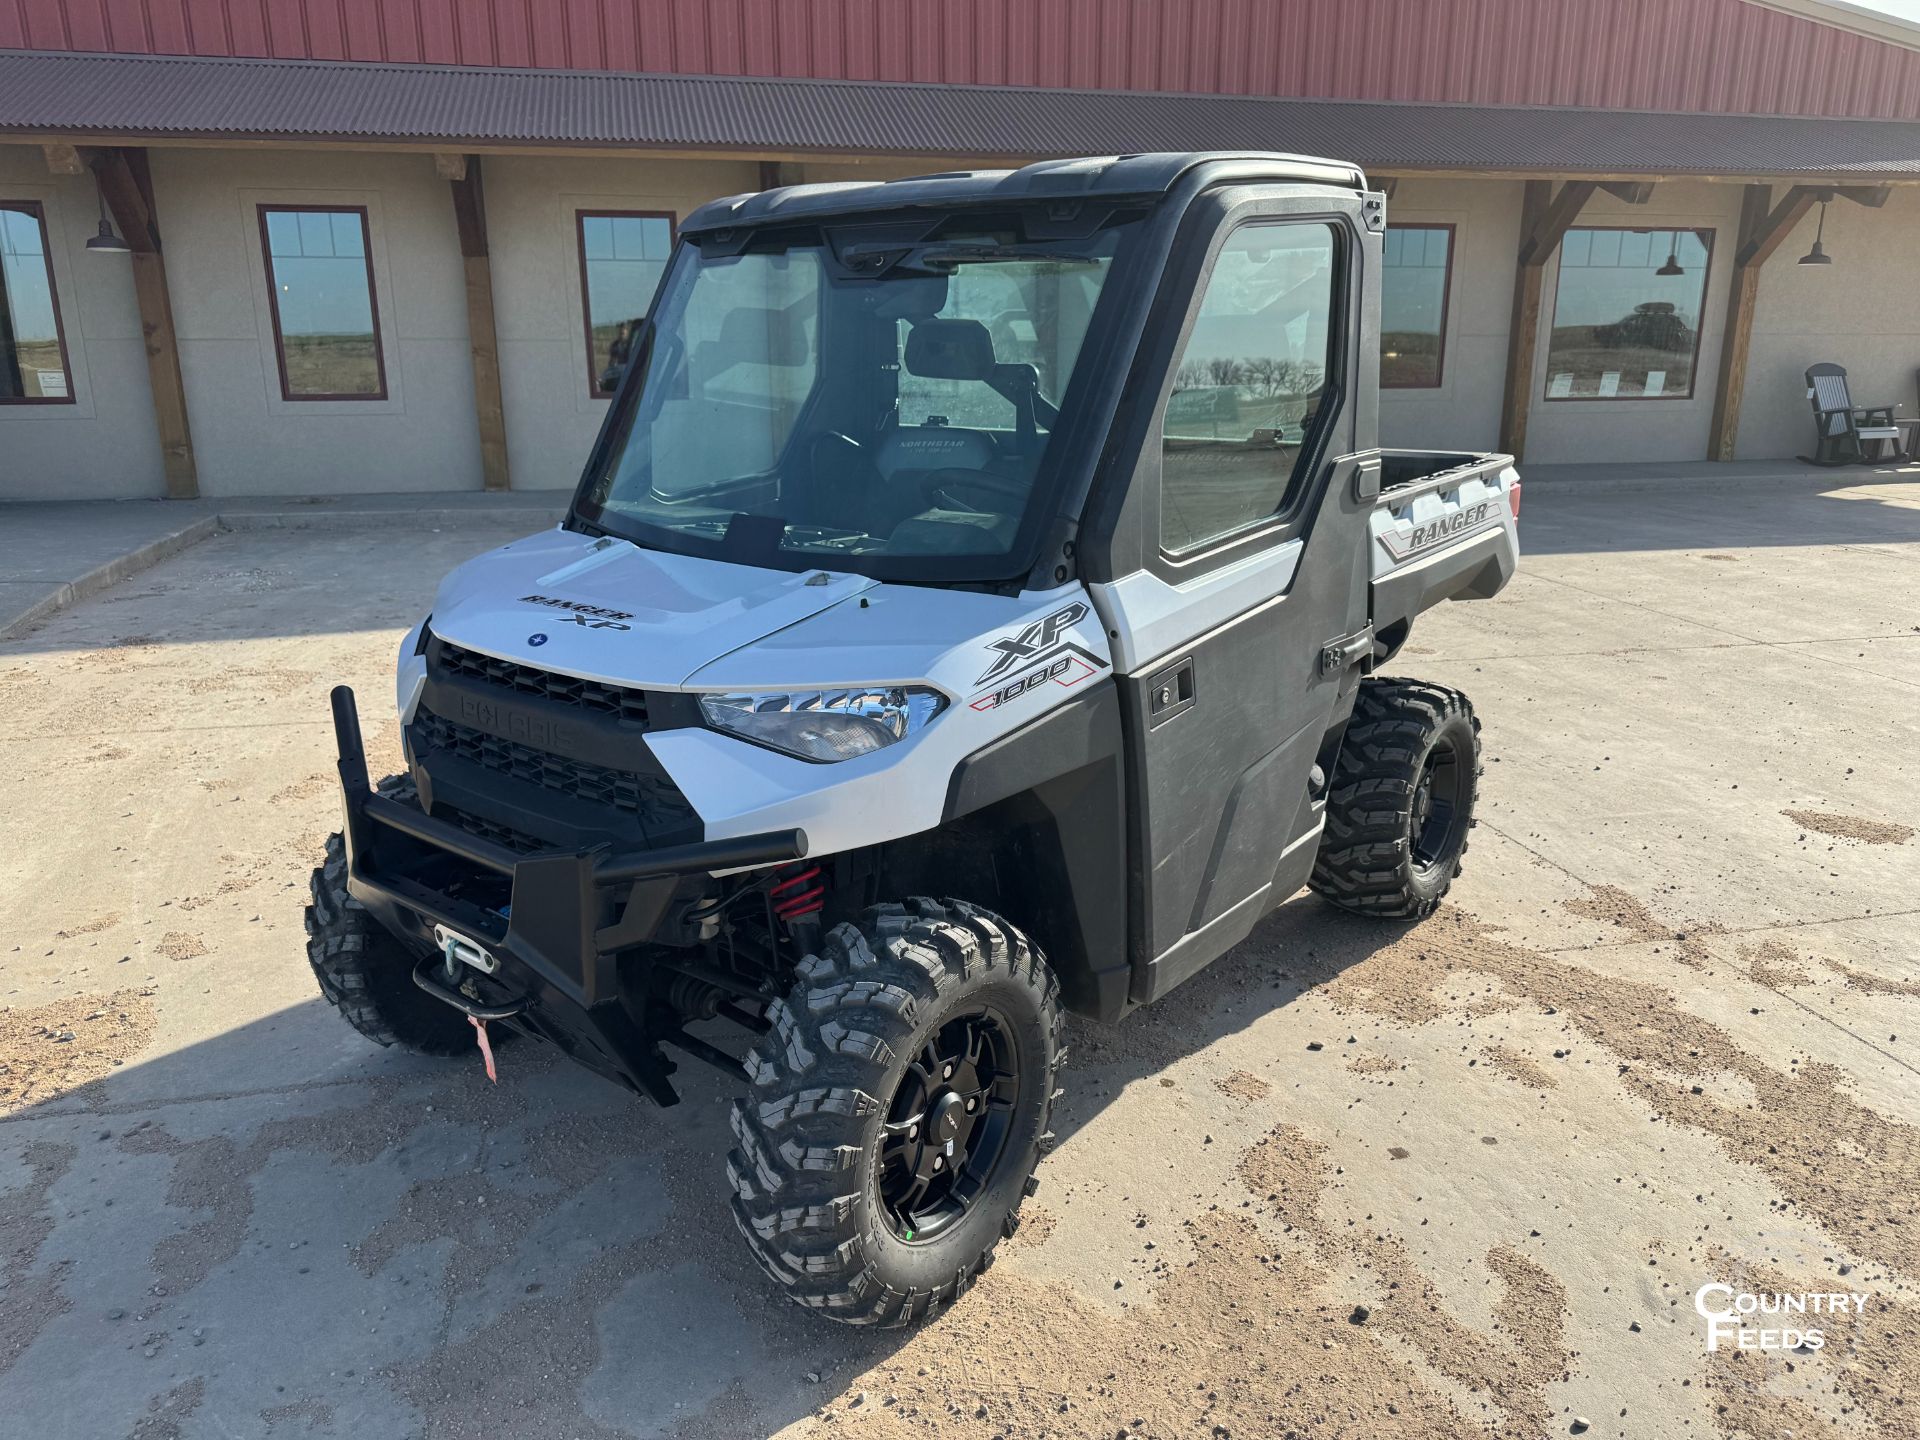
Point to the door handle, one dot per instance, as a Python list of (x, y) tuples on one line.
[(1347, 651), (1169, 693)]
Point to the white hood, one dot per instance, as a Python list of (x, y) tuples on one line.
[(607, 610)]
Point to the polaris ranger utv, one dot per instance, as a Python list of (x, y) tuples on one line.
[(1015, 537)]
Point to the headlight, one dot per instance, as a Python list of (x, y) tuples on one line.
[(825, 725)]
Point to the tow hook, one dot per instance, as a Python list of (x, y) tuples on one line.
[(457, 950)]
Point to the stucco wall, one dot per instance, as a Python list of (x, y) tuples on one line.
[(552, 415), (1463, 411), (104, 444), (247, 439), (1862, 311)]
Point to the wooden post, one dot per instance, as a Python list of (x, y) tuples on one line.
[(128, 188), (470, 218), (1762, 227), (775, 173), (1544, 218)]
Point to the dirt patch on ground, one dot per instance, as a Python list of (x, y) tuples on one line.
[(1870, 983), (1611, 905), (1855, 1170), (1037, 1225), (179, 945), (48, 1050), (1367, 1063), (1244, 1085), (1851, 827), (1773, 964), (32, 1297), (91, 927), (1518, 1065), (1246, 1335)]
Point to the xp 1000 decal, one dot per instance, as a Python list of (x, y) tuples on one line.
[(1037, 655)]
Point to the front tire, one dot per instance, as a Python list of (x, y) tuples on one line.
[(364, 972), (1402, 799), (899, 1107)]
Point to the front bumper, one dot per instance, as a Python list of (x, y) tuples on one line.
[(558, 921)]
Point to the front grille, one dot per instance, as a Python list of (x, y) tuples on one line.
[(653, 800), (590, 695), (492, 830)]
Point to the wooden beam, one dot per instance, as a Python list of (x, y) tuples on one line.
[(1736, 336), (470, 219), (1544, 218), (125, 182), (1634, 192), (1871, 196), (1544, 238), (1385, 184), (63, 160), (775, 173), (449, 167), (1775, 225)]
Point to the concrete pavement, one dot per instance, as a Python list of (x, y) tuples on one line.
[(1665, 1034)]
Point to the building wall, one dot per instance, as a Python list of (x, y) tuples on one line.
[(1463, 411), (551, 413), (105, 444), (1862, 311), (247, 439)]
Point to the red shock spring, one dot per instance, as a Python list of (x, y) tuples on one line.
[(799, 895)]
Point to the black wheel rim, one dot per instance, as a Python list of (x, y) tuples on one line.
[(947, 1128), (1438, 813)]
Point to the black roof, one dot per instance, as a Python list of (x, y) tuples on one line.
[(1114, 176), (257, 99)]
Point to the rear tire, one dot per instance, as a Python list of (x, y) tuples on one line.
[(1402, 799), (364, 972), (865, 1184)]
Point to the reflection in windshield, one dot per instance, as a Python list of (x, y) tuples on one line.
[(794, 409)]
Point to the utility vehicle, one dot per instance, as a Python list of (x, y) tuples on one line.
[(966, 616)]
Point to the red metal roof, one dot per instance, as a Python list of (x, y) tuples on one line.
[(1714, 56), (142, 96)]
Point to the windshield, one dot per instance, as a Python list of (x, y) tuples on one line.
[(839, 400)]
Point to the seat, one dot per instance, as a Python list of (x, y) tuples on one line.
[(1843, 430)]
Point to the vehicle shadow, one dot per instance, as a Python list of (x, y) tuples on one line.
[(548, 1252)]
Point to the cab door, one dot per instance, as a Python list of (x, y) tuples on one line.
[(1246, 516)]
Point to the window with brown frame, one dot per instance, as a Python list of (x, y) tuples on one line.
[(1415, 279), (622, 255), (33, 347), (1626, 314), (326, 318)]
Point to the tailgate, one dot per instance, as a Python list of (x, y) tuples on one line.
[(1443, 535)]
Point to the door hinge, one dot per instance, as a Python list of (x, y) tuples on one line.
[(1346, 652)]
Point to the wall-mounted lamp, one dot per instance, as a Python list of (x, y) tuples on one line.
[(106, 242), (1817, 255)]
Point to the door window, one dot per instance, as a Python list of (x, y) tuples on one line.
[(1248, 388)]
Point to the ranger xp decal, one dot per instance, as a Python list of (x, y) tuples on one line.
[(1435, 533), (1037, 640), (583, 614)]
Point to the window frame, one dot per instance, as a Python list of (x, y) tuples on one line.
[(1707, 233), (373, 299), (580, 218), (1446, 303), (38, 210), (1278, 526)]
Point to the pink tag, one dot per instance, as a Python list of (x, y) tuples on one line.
[(486, 1050)]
